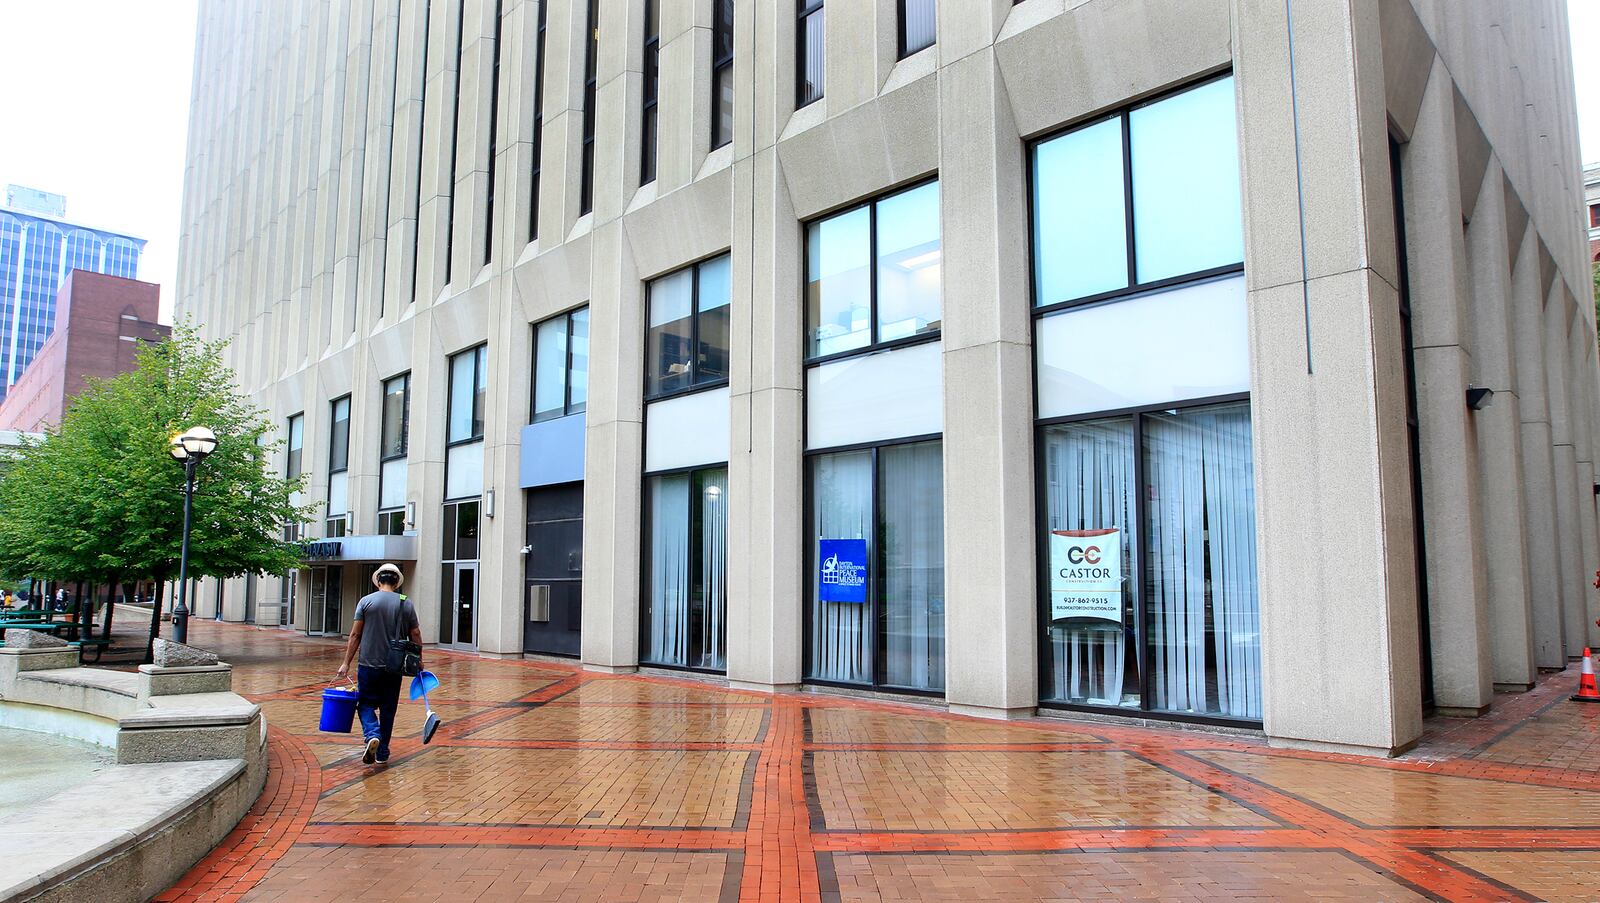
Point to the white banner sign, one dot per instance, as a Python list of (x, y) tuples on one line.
[(1086, 574)]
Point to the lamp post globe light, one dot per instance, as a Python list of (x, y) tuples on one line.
[(189, 448)]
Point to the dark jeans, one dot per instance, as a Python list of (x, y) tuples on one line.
[(379, 696)]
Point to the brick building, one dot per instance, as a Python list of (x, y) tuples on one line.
[(99, 320)]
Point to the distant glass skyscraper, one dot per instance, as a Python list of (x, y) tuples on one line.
[(38, 248)]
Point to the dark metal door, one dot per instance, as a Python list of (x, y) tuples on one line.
[(553, 566)]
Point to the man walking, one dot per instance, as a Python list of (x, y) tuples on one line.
[(380, 618)]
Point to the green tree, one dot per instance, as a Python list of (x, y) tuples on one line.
[(100, 498)]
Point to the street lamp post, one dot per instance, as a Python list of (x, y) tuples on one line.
[(188, 448)]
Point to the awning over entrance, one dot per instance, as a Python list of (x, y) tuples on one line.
[(360, 548)]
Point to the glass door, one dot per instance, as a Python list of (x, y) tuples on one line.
[(332, 604), (554, 570), (466, 599), (316, 602)]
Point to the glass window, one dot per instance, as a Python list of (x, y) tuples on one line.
[(591, 53), (721, 73), (685, 617), (917, 25), (339, 436), (1080, 242), (295, 445), (1186, 197), (877, 584), (561, 365), (538, 121), (578, 368), (396, 417), (468, 376), (1198, 625), (550, 369), (809, 62), (652, 70), (687, 342), (391, 523), (1170, 168), (839, 283), (873, 273), (908, 263)]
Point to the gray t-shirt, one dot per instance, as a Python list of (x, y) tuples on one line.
[(388, 617)]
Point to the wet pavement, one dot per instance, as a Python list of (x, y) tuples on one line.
[(550, 783)]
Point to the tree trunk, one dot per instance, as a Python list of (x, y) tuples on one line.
[(155, 623), (111, 605)]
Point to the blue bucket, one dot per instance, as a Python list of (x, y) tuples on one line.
[(338, 710)]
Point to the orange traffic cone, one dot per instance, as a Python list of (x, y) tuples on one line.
[(1587, 692)]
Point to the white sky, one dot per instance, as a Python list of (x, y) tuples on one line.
[(97, 105)]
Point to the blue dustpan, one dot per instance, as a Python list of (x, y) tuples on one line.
[(420, 685), (423, 684)]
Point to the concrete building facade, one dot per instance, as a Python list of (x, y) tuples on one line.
[(100, 321), (1115, 356)]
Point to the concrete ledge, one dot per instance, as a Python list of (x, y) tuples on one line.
[(993, 712), (1350, 749), (126, 835), (611, 669)]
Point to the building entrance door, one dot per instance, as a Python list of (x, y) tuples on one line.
[(465, 604), (554, 570), (325, 604)]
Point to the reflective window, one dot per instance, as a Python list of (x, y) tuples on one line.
[(591, 44), (687, 342), (396, 417), (721, 73), (561, 365), (1169, 168), (652, 81), (339, 436), (917, 25), (1186, 202), (810, 58), (295, 446), (873, 273), (468, 378)]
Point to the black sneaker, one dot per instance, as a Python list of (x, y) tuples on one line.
[(370, 755)]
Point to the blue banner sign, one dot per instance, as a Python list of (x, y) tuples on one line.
[(842, 567)]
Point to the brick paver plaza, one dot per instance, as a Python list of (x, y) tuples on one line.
[(550, 783)]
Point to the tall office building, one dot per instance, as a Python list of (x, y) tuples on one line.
[(39, 246), (1105, 356)]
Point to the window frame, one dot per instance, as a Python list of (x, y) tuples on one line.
[(405, 441), (450, 395), (294, 468), (538, 122), (494, 121), (902, 51), (694, 329), (873, 343), (878, 616), (649, 120), (647, 522), (1134, 287), (590, 89), (566, 389), (804, 10), (1137, 413), (721, 67), (341, 519)]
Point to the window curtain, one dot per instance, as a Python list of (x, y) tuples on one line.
[(1203, 615), (713, 567), (669, 569), (913, 564), (1090, 474), (841, 634)]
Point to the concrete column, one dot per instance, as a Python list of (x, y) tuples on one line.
[(1500, 485), (1440, 292), (614, 457), (1538, 460), (1580, 355), (1558, 323), (500, 592), (766, 533), (1338, 587), (991, 601), (430, 389)]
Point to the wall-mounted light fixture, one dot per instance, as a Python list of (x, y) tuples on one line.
[(1478, 397), (411, 514), (488, 503)]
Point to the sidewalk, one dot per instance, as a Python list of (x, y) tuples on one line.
[(550, 783)]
